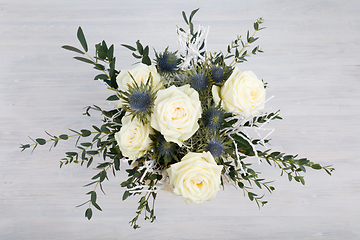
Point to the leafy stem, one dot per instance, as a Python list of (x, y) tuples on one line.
[(95, 63)]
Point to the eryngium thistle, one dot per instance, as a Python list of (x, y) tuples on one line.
[(167, 62), (217, 74), (215, 147), (213, 118), (199, 82), (164, 152), (140, 101)]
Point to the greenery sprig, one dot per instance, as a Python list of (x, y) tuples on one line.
[(221, 134)]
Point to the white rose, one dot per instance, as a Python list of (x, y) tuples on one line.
[(176, 113), (141, 74), (133, 138), (242, 92), (196, 178)]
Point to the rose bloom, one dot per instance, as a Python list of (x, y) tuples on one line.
[(176, 113), (196, 178), (242, 92), (133, 138), (141, 74)]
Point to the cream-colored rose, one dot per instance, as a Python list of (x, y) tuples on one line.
[(133, 138), (176, 113), (141, 74), (242, 92), (196, 178)]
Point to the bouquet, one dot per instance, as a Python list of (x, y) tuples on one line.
[(189, 118)]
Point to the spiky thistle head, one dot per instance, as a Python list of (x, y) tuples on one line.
[(213, 117), (199, 82), (164, 152), (215, 147), (138, 100), (218, 145), (217, 74), (167, 61)]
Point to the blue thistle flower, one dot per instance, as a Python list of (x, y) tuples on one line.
[(215, 147), (164, 152), (217, 74), (165, 148), (167, 62), (199, 82), (140, 101), (213, 118)]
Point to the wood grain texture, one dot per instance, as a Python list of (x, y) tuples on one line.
[(311, 62)]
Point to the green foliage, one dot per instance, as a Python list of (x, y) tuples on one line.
[(82, 40), (223, 130), (139, 52)]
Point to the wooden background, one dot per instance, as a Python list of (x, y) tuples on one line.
[(311, 61)]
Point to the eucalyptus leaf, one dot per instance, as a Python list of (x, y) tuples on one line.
[(64, 137), (84, 60), (129, 47), (85, 133), (40, 141), (113, 98), (88, 213), (101, 76), (82, 40), (74, 49), (93, 197)]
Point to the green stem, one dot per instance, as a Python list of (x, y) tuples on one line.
[(247, 43), (96, 63)]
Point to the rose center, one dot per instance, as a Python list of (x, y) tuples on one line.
[(177, 113)]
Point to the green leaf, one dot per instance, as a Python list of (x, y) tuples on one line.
[(104, 129), (289, 177), (146, 51), (84, 60), (251, 196), (86, 144), (102, 176), (101, 76), (243, 145), (97, 206), (96, 128), (99, 66), (146, 60), (40, 141), (129, 47), (192, 14), (111, 52), (89, 162), (64, 137), (92, 152), (251, 40), (88, 213), (139, 47), (85, 133), (184, 16), (112, 98), (316, 166), (136, 56), (81, 37), (117, 164), (256, 26), (93, 197), (82, 204), (71, 153), (125, 195), (74, 49)]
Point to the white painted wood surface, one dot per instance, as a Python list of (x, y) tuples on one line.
[(311, 63)]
